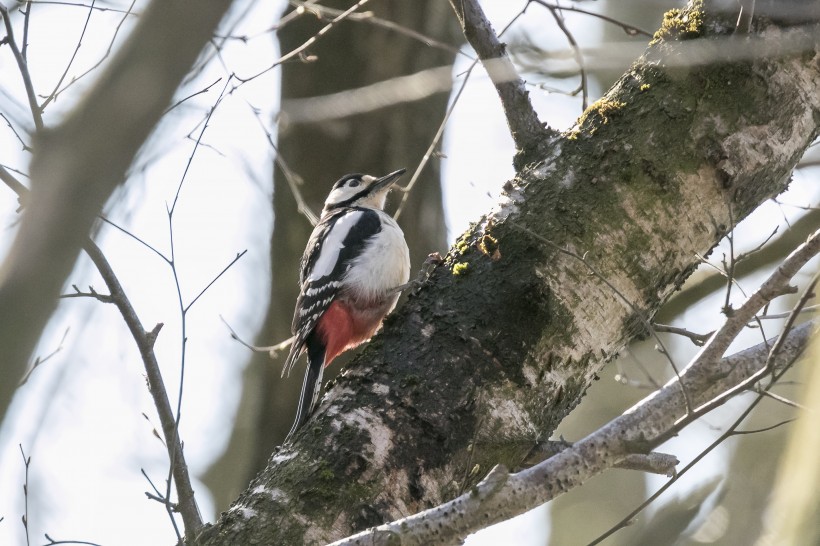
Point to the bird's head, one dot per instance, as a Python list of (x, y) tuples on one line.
[(361, 190)]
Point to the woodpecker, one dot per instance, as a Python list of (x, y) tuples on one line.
[(355, 260)]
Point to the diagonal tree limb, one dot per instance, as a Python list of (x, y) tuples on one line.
[(78, 164), (502, 495), (526, 129), (505, 337)]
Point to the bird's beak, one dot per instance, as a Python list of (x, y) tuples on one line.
[(385, 181)]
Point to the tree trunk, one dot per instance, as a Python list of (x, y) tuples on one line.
[(508, 334)]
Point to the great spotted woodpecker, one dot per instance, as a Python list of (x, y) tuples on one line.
[(354, 261)]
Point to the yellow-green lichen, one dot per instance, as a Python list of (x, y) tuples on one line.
[(596, 114), (462, 246), (680, 24), (645, 87), (460, 268)]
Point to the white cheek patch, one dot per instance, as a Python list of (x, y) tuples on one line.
[(333, 243)]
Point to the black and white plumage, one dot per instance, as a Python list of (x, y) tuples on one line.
[(355, 259)]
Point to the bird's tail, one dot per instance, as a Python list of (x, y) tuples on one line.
[(311, 388)]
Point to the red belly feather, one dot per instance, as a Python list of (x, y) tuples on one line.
[(342, 328)]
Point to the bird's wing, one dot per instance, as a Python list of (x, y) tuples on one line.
[(336, 240)]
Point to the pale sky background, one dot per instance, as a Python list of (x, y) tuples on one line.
[(79, 416)]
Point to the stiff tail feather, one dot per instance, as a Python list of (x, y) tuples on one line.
[(311, 387)]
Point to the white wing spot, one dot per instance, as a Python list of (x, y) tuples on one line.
[(332, 244)]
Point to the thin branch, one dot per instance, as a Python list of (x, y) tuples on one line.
[(192, 95), (136, 238), (196, 147), (26, 20), (576, 53), (440, 132), (226, 268), (56, 93), (22, 65), (697, 339), (40, 361), (51, 96), (78, 5), (629, 29), (156, 386), (763, 429), (369, 17), (272, 349), (526, 129), (292, 178), (806, 309), (783, 400), (309, 42), (27, 463), (26, 147), (431, 148)]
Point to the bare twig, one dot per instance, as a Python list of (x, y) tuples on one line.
[(27, 463), (22, 65), (697, 339), (57, 92), (192, 95), (368, 17), (42, 360), (26, 147), (51, 96), (226, 268), (78, 5), (629, 29), (272, 350), (309, 42), (576, 52), (292, 178), (188, 508)]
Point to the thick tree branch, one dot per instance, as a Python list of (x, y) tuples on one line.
[(504, 339), (528, 133), (502, 495), (78, 164)]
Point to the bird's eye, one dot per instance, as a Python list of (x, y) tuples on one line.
[(353, 183)]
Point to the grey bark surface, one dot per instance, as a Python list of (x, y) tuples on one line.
[(508, 334)]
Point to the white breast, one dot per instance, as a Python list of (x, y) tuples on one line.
[(384, 263)]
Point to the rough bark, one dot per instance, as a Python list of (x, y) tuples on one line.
[(504, 339)]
